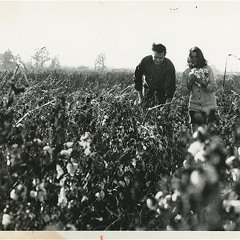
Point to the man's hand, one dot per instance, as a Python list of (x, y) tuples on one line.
[(167, 109), (140, 97), (167, 106)]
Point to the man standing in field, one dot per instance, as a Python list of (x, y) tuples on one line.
[(155, 77)]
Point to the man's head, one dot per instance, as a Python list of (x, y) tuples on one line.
[(158, 53)]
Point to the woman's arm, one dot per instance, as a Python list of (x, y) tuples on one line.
[(187, 82), (211, 86)]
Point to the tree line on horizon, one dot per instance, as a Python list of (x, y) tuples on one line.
[(41, 60)]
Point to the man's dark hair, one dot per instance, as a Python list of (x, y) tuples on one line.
[(201, 60), (159, 48)]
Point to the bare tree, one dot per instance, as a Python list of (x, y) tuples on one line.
[(100, 62), (7, 60), (40, 57), (55, 63)]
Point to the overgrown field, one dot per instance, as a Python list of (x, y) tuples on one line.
[(78, 153)]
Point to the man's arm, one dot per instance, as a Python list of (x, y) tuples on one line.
[(170, 81), (138, 80), (170, 85)]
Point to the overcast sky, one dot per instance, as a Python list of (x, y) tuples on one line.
[(77, 31)]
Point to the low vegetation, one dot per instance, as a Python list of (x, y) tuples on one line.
[(79, 153)]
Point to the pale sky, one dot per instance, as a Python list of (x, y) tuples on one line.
[(77, 31)]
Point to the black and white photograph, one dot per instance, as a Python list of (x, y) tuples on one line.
[(119, 119)]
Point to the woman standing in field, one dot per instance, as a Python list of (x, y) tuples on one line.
[(198, 81)]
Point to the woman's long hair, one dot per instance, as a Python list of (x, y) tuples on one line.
[(201, 60)]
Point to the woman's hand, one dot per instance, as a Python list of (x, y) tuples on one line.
[(191, 80), (201, 82)]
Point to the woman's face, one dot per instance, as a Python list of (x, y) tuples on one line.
[(194, 59)]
